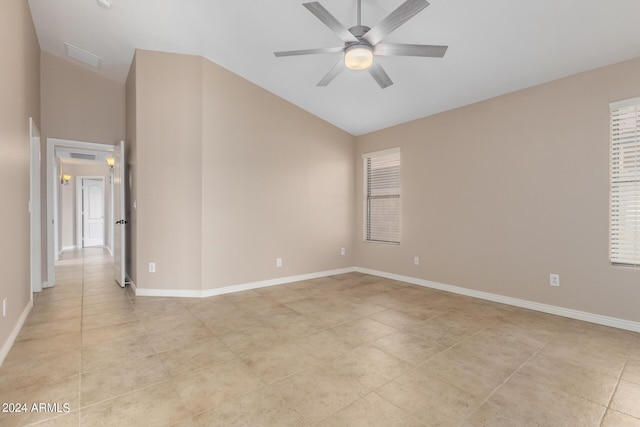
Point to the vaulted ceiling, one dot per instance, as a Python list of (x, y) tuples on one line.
[(495, 47)]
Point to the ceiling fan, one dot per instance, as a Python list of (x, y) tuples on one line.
[(362, 44)]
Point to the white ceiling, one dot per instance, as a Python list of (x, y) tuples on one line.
[(495, 47)]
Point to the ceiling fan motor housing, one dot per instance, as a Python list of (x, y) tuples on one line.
[(359, 30)]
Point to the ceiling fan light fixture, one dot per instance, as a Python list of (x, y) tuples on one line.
[(358, 57)]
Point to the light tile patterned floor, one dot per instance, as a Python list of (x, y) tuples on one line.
[(349, 350)]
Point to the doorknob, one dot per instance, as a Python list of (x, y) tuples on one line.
[(122, 221)]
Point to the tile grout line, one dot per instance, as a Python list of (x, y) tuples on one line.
[(81, 339), (169, 377), (82, 348), (121, 395), (447, 348), (461, 340), (505, 381), (614, 390), (376, 389), (82, 311)]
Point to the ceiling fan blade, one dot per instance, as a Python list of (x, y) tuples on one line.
[(402, 14), (399, 49), (330, 21), (332, 73), (309, 51), (379, 75)]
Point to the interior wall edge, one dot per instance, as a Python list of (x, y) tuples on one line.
[(599, 319), (184, 293), (584, 316), (6, 346)]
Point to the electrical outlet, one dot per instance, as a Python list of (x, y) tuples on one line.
[(152, 267), (278, 262), (4, 307), (554, 280), (416, 260), (343, 251)]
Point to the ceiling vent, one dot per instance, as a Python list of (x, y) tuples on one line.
[(82, 156), (82, 55)]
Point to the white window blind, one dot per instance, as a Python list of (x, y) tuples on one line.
[(624, 234), (382, 196)]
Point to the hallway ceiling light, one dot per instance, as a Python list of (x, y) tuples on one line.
[(111, 163)]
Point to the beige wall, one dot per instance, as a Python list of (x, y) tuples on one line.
[(228, 177), (79, 104), (276, 182), (168, 172), (499, 194), (20, 89)]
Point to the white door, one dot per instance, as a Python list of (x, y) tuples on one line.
[(119, 215), (92, 212)]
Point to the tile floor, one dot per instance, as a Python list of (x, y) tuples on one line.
[(349, 350)]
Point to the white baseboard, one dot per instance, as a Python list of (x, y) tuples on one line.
[(14, 334), (68, 248), (516, 302), (545, 308), (237, 288), (109, 250), (178, 293)]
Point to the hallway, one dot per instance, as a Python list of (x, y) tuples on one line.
[(62, 337), (345, 350)]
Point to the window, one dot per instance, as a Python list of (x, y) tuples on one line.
[(382, 196), (624, 217)]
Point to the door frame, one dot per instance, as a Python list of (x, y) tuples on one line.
[(52, 202), (79, 218), (35, 208), (120, 241)]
